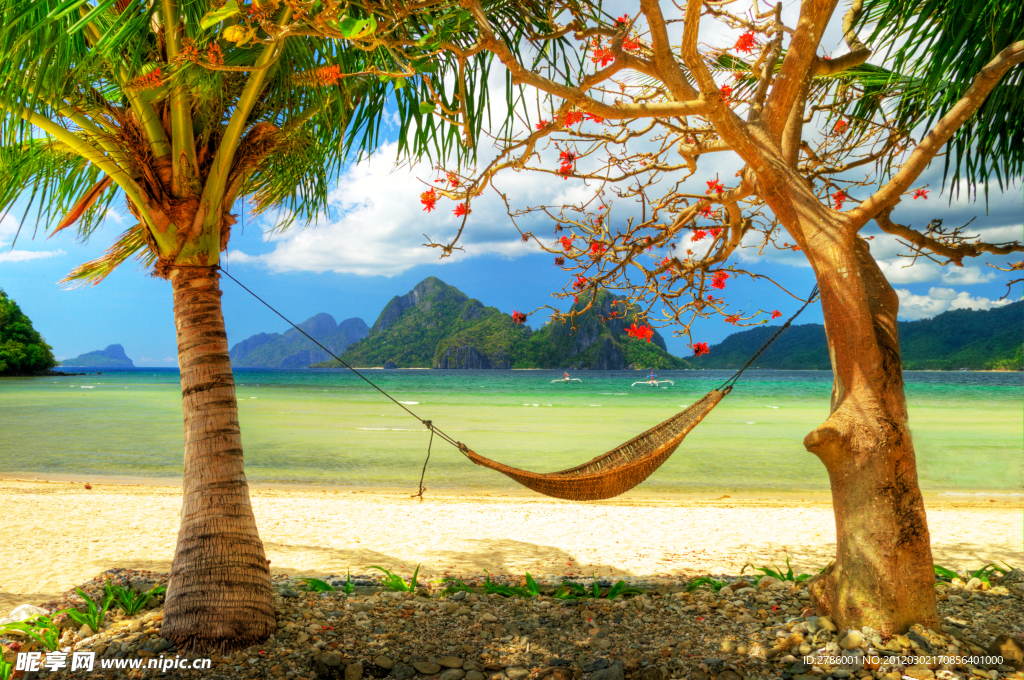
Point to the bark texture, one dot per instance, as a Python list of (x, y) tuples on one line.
[(219, 594)]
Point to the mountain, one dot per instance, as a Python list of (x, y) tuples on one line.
[(22, 349), (961, 338), (111, 357), (294, 350), (438, 326)]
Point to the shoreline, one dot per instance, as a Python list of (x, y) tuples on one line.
[(959, 498), (64, 534)]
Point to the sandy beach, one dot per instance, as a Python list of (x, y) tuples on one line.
[(59, 534)]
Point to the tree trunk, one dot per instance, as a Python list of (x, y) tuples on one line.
[(219, 594), (882, 575)]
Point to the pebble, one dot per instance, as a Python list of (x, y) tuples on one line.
[(852, 640)]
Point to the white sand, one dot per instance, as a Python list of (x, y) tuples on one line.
[(59, 534)]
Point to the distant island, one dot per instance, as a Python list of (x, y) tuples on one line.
[(962, 338), (112, 356), (436, 325), (294, 350)]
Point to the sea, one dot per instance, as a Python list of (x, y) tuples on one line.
[(331, 427)]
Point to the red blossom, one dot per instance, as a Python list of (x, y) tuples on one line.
[(461, 210), (145, 82), (623, 20), (541, 125), (715, 186), (565, 170), (700, 349), (640, 332), (518, 317), (580, 283), (698, 235), (602, 57), (921, 193), (776, 314), (453, 179), (726, 91), (596, 119), (839, 197), (573, 117), (715, 232), (840, 127), (629, 44), (566, 243), (429, 199), (719, 280), (733, 319), (567, 157), (746, 43), (597, 249), (706, 211)]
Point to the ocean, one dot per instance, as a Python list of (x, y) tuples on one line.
[(328, 427)]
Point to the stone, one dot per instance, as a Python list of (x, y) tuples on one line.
[(489, 618), (725, 591), (613, 672), (426, 667), (728, 675), (852, 640), (919, 673), (841, 673), (826, 623), (450, 607), (288, 592), (163, 645), (767, 582), (475, 675), (919, 639), (800, 667), (654, 673), (595, 665), (1010, 649), (383, 662), (402, 672), (460, 595), (974, 584), (516, 673), (453, 674), (85, 631), (450, 662), (354, 671), (23, 612)]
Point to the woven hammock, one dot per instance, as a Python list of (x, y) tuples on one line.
[(620, 469)]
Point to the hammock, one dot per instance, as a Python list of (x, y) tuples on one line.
[(606, 476), (617, 471)]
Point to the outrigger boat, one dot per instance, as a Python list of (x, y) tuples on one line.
[(652, 380), (566, 379)]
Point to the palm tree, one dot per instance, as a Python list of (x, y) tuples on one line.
[(182, 107)]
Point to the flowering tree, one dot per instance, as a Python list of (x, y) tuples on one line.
[(634, 121), (180, 108)]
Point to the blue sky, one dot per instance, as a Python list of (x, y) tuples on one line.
[(370, 249)]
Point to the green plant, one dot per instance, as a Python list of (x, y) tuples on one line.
[(41, 628), (571, 591), (715, 584), (945, 574), (6, 669), (93, 616), (349, 587), (490, 587), (393, 581), (621, 588), (315, 585), (983, 574), (128, 600), (454, 586), (777, 573)]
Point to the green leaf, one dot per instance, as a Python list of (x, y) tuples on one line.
[(216, 16), (353, 29)]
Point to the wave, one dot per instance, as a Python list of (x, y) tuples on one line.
[(410, 403)]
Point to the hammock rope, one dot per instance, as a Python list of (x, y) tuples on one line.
[(605, 476)]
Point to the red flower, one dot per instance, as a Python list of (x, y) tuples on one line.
[(719, 280), (776, 314), (746, 43), (700, 349), (698, 235), (573, 117), (541, 125), (461, 210), (518, 317), (732, 319), (726, 93), (580, 283), (559, 261), (715, 187), (567, 157), (715, 232), (839, 197), (596, 119), (597, 249), (840, 127), (453, 179), (565, 170), (629, 44), (428, 199), (706, 210), (640, 332), (566, 243), (921, 193), (602, 57), (623, 20)]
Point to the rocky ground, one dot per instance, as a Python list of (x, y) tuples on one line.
[(744, 631)]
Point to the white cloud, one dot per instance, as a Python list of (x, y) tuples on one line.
[(967, 275), (939, 300), (897, 270), (25, 255)]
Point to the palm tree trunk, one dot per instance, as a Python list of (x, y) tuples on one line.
[(882, 575), (219, 594)]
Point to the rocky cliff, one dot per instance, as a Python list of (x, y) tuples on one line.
[(112, 356), (292, 349)]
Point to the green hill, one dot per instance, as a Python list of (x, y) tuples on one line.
[(112, 356), (962, 338), (22, 349), (291, 349), (438, 326)]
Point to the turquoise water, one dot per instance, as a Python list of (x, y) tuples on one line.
[(329, 427)]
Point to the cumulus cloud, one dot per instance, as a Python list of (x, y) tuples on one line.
[(939, 300), (26, 255)]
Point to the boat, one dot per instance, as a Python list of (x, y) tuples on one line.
[(566, 379), (652, 380)]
